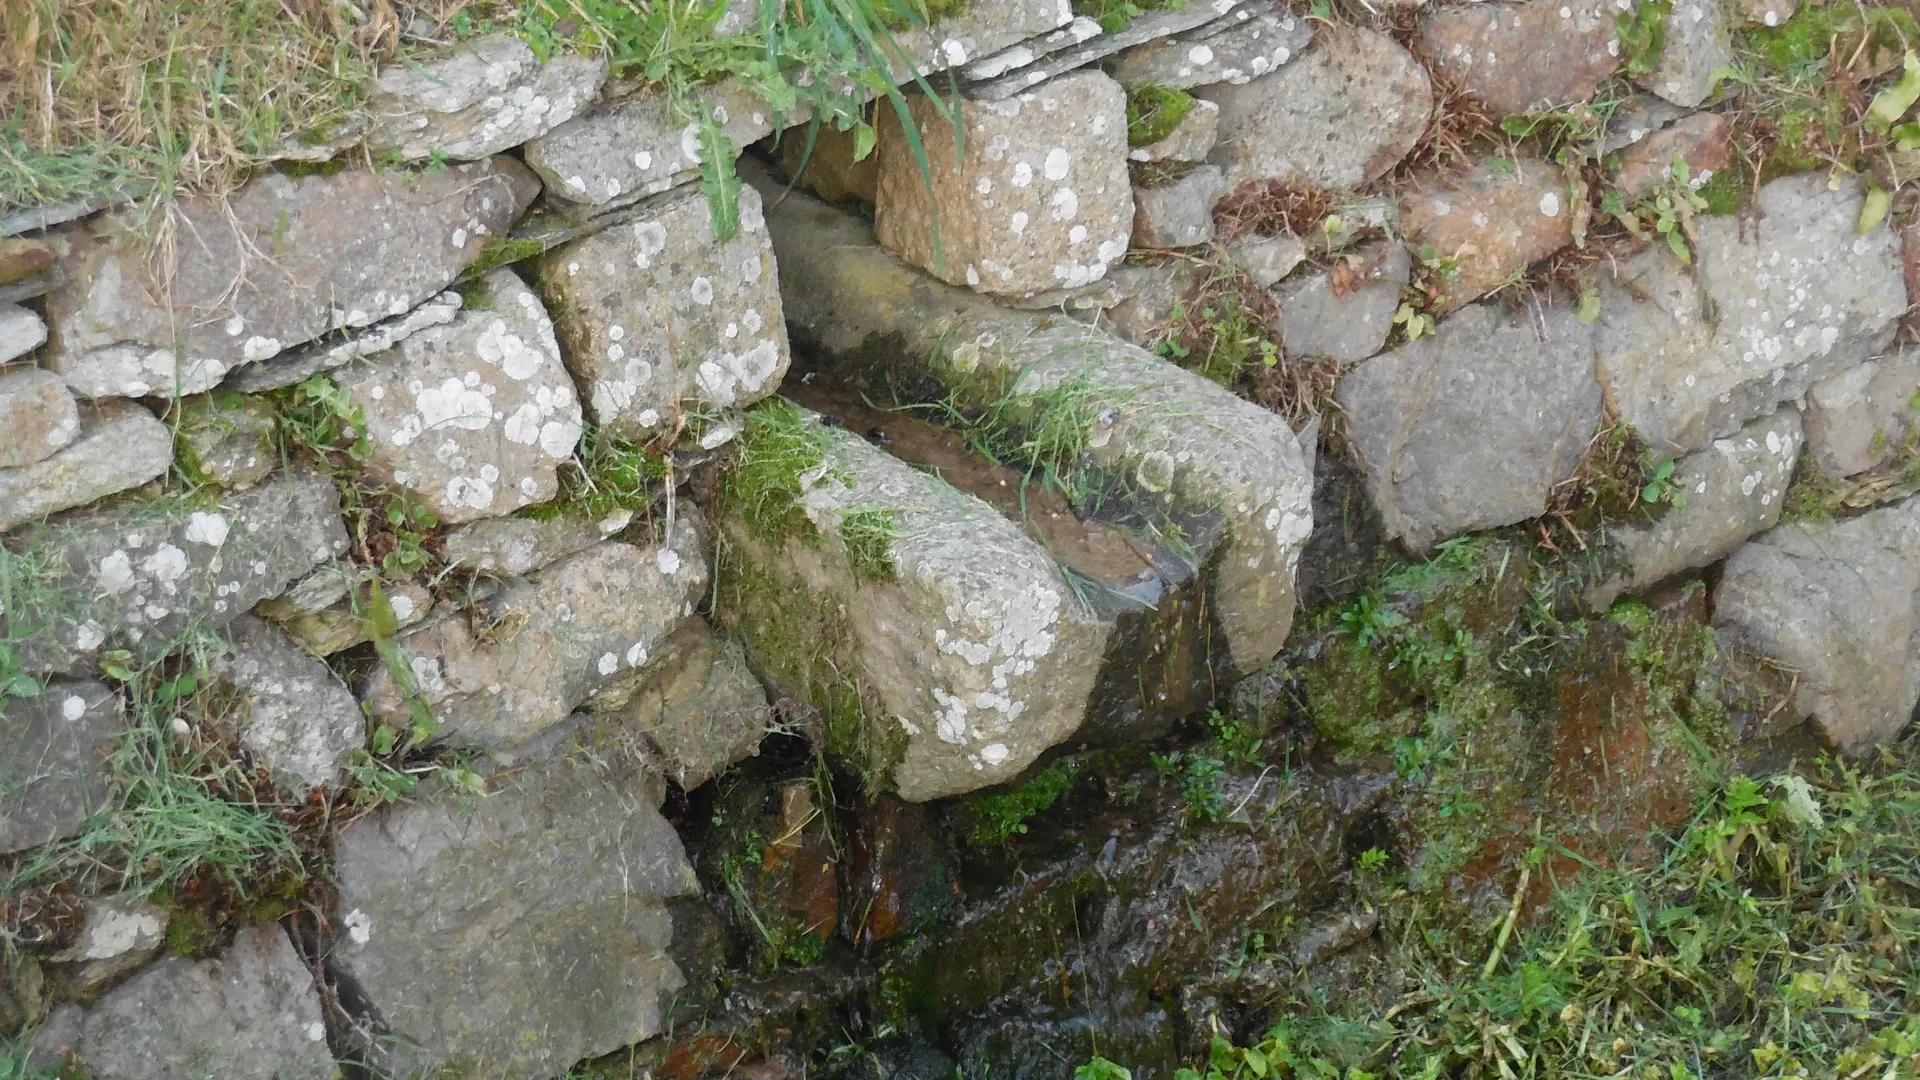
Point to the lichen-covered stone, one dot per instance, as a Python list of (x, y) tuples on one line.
[(702, 709), (1698, 44), (1353, 322), (53, 761), (1703, 141), (251, 1013), (1267, 259), (119, 445), (295, 718), (547, 643), (1516, 58), (118, 936), (659, 316), (1179, 213), (1192, 139), (1339, 116), (296, 364), (37, 415), (21, 332), (1729, 491), (1837, 603), (139, 577), (228, 439), (1236, 54), (477, 98), (515, 546), (1040, 199), (475, 417), (1472, 426), (283, 261), (1200, 19), (1491, 223), (1025, 53), (1857, 418), (513, 935), (342, 625)]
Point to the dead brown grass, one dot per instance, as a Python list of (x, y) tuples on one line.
[(1271, 208)]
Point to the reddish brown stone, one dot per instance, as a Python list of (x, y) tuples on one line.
[(1703, 141), (1491, 223), (20, 257), (890, 860), (1519, 57)]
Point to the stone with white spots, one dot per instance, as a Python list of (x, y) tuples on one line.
[(1860, 417), (546, 644), (1235, 54), (1489, 223), (119, 445), (53, 766), (515, 934), (1729, 490), (228, 439), (475, 417), (1516, 58), (339, 350), (1201, 18), (118, 936), (250, 1013), (294, 716), (1339, 116), (142, 575), (701, 708), (21, 332), (657, 316), (1178, 213), (281, 262), (1703, 143), (517, 546), (1191, 139), (340, 624), (1837, 604), (37, 415), (1349, 323), (1698, 44), (477, 98), (1040, 200)]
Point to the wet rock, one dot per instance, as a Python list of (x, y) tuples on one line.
[(228, 439), (296, 718), (342, 625), (1180, 213), (252, 1013), (479, 97), (53, 767), (546, 643), (1338, 117), (1856, 417), (1235, 54), (1344, 313), (1471, 427), (1704, 141), (139, 577), (475, 417), (296, 364), (119, 445), (1025, 53), (1516, 58), (282, 261), (1731, 490), (515, 546), (701, 707), (1492, 223), (893, 856), (1836, 603), (21, 332), (780, 867), (1192, 139), (1267, 259), (659, 316), (120, 935), (37, 415), (505, 937), (1698, 43), (1040, 200)]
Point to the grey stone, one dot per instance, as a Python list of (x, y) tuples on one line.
[(37, 415), (1731, 490), (515, 547), (341, 626), (1339, 116), (1836, 603), (475, 417), (477, 98), (53, 764), (1236, 54), (317, 591), (120, 445), (1040, 199), (1014, 57), (281, 262), (21, 332), (1855, 418), (1267, 259), (1699, 42), (547, 643), (701, 707), (119, 936), (1150, 295), (252, 1013), (297, 719), (659, 316), (228, 439), (296, 364), (1191, 139), (140, 577), (1353, 324), (1204, 17), (513, 935), (1516, 58), (1796, 297), (1636, 118), (1177, 214), (1472, 426)]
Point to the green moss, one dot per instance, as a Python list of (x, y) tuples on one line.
[(190, 933), (1153, 111), (499, 251), (992, 820), (763, 485), (1725, 191), (868, 536)]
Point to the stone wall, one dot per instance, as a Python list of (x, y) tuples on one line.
[(436, 520)]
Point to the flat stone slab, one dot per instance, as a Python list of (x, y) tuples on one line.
[(53, 761), (513, 935), (1352, 322), (296, 364), (1519, 57), (1236, 53), (477, 98), (297, 718), (281, 262), (1212, 15), (517, 546), (21, 332), (119, 445), (118, 936), (37, 415)]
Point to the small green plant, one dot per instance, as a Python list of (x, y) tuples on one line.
[(1660, 488), (608, 474), (1642, 30), (1238, 741), (993, 820), (1199, 779), (1114, 15), (1100, 1068)]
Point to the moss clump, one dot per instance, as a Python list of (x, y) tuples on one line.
[(499, 251), (992, 820), (1724, 191), (762, 487), (1153, 111), (868, 536), (608, 474)]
